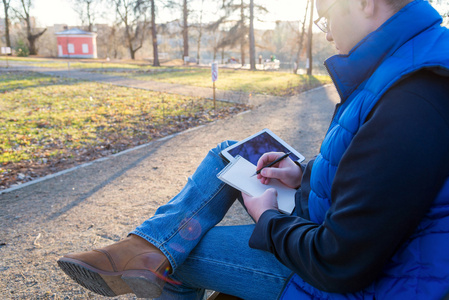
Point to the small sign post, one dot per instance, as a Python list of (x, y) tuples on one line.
[(214, 78), (6, 50)]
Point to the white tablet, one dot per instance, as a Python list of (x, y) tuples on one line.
[(253, 147)]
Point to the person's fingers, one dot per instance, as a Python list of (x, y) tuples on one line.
[(273, 173), (272, 191), (268, 158)]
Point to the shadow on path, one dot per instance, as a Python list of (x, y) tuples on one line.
[(102, 184)]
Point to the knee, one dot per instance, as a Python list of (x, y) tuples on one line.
[(223, 145)]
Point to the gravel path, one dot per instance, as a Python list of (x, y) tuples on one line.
[(98, 204)]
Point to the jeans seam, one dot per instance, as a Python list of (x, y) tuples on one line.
[(161, 245), (221, 263), (194, 213)]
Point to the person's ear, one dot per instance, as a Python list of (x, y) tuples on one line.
[(367, 7)]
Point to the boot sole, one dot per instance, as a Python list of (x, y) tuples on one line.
[(142, 283)]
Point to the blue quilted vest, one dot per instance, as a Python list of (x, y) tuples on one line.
[(379, 61)]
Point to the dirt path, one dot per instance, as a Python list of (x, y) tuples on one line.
[(98, 204)]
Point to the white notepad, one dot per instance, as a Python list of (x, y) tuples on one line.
[(238, 175)]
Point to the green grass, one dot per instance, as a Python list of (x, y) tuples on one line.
[(22, 59), (74, 64), (43, 117), (262, 82), (80, 65)]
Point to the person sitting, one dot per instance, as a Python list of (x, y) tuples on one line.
[(372, 208)]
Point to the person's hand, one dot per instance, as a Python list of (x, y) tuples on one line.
[(286, 170), (256, 206)]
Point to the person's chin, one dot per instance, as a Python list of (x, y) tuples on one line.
[(338, 49), (341, 52)]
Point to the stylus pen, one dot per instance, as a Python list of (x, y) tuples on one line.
[(272, 163)]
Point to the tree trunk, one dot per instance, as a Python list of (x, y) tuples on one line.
[(32, 38), (309, 46), (112, 42), (154, 35), (242, 39), (301, 40), (130, 43), (130, 14), (252, 44), (132, 53), (89, 16), (7, 37), (185, 29)]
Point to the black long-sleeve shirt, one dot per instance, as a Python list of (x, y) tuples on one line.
[(384, 185)]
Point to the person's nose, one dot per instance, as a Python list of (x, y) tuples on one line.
[(329, 36)]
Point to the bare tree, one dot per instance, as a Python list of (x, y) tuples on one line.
[(185, 28), (240, 32), (87, 11), (217, 36), (252, 43), (184, 23), (110, 41), (309, 44), (132, 13), (25, 16), (301, 39), (156, 62), (237, 33), (6, 7), (200, 34), (243, 29), (230, 38)]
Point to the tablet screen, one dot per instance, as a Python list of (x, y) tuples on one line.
[(255, 147)]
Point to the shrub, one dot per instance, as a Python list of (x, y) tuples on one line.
[(22, 49)]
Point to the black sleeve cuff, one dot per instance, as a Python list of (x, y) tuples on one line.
[(261, 239)]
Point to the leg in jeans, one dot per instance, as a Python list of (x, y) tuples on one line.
[(135, 266), (223, 261), (204, 256), (139, 263), (177, 227)]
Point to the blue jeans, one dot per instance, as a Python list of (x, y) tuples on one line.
[(204, 256)]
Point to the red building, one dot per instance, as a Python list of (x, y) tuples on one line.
[(77, 43)]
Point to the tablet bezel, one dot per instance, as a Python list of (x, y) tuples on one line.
[(225, 153)]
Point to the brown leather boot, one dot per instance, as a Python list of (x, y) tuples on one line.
[(132, 265)]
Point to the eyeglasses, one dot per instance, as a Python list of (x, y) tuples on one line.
[(322, 21)]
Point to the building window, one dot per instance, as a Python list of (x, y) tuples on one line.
[(71, 48), (85, 48)]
